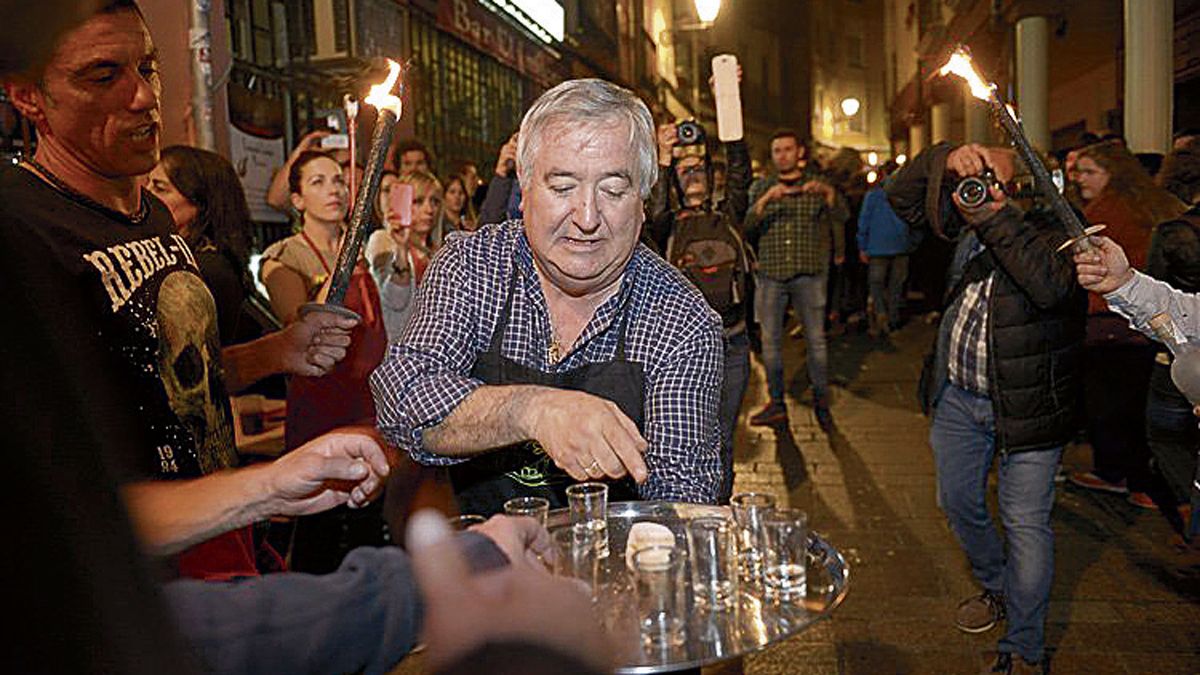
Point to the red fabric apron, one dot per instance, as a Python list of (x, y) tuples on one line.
[(342, 397), (222, 558)]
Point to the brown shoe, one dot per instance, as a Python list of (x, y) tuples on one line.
[(980, 613), (773, 413)]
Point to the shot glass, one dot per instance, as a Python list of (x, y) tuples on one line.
[(661, 600), (785, 563), (534, 507), (575, 555), (588, 507), (748, 510), (465, 521), (713, 563)]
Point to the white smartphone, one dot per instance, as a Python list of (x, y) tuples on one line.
[(728, 97), (335, 142)]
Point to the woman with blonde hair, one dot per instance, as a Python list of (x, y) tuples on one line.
[(399, 252), (1117, 192)]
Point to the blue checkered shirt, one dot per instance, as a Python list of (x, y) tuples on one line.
[(968, 365), (671, 331)]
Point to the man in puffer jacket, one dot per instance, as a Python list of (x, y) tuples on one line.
[(1004, 379)]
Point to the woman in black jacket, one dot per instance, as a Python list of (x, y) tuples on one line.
[(205, 197)]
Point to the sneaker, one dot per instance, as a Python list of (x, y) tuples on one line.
[(772, 413), (1141, 500), (1091, 481), (1011, 664), (824, 418), (980, 613)]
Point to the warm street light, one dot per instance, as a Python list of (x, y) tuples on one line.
[(707, 10), (873, 158), (901, 159), (850, 106)]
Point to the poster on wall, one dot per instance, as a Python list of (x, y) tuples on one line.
[(256, 139), (256, 159)]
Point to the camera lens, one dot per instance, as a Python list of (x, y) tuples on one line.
[(689, 133), (972, 191)]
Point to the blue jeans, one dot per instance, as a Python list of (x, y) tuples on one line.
[(806, 294), (737, 375), (963, 437), (886, 275)]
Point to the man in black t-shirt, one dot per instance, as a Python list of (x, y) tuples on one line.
[(84, 216)]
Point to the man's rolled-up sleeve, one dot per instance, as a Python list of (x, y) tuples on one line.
[(425, 374), (682, 427), (1142, 297)]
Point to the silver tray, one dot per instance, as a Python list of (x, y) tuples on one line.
[(711, 637)]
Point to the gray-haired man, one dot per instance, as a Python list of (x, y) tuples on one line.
[(557, 348)]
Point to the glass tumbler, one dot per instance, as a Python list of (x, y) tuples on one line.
[(713, 562), (661, 600), (748, 510), (785, 563), (533, 507)]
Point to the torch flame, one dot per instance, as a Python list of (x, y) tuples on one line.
[(381, 95), (960, 64)]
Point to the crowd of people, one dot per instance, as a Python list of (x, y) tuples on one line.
[(587, 314)]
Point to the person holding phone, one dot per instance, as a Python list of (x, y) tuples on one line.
[(399, 252)]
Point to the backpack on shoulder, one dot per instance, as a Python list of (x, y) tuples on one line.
[(713, 256)]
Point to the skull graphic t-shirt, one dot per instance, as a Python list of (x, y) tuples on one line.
[(151, 310)]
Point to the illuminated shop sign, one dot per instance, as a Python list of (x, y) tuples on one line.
[(543, 18)]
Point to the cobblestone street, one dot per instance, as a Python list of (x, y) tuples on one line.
[(1117, 605)]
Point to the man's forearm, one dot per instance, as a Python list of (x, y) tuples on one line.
[(1142, 297), (252, 361), (489, 417), (170, 516)]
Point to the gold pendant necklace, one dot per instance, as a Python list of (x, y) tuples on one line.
[(553, 350)]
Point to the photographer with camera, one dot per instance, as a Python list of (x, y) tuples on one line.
[(796, 223), (1004, 377), (703, 239)]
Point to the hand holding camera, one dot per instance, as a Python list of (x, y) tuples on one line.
[(980, 191), (666, 143)]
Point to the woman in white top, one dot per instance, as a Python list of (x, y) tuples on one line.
[(399, 252)]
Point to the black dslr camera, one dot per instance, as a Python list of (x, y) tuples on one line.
[(975, 191), (689, 132)]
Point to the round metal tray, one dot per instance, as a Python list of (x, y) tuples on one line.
[(754, 621)]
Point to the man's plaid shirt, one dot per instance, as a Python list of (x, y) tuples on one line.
[(670, 330), (800, 231)]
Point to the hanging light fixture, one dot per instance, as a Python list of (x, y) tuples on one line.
[(850, 106), (707, 10)]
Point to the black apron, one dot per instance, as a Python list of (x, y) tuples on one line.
[(484, 483)]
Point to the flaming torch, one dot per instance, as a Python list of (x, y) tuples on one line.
[(960, 64), (389, 106)]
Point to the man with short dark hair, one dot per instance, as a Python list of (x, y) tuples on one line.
[(411, 156), (86, 215), (796, 217)]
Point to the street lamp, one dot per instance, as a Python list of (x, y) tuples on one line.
[(707, 10), (850, 105)]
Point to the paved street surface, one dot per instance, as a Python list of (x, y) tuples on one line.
[(1116, 606)]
